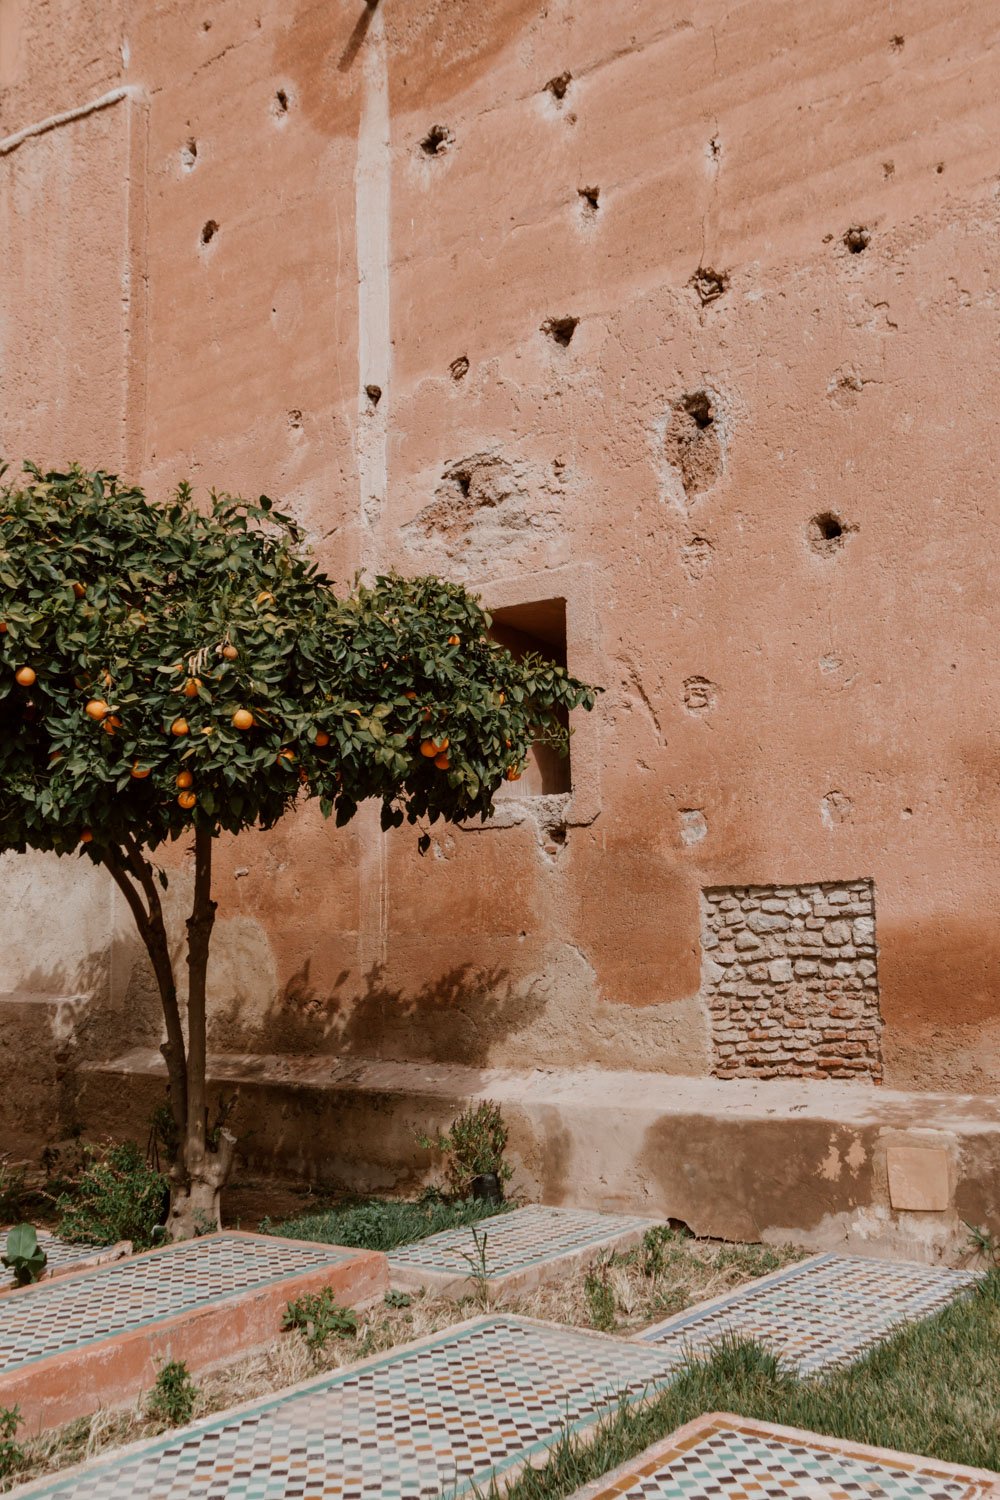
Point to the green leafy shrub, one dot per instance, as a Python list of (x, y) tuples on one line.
[(396, 1298), (13, 1190), (12, 1455), (320, 1317), (23, 1255), (473, 1146), (173, 1396), (118, 1196), (382, 1223)]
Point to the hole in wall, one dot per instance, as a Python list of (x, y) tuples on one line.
[(208, 231), (558, 86), (589, 201), (827, 533), (437, 140), (857, 238), (280, 103), (896, 43), (709, 284), (538, 628), (939, 168), (700, 696), (691, 441), (715, 148), (464, 481), (295, 419), (560, 330), (189, 154), (459, 367), (888, 168), (374, 394)]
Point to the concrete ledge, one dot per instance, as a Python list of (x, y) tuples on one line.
[(112, 1369), (783, 1160)]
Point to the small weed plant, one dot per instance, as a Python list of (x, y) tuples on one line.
[(472, 1147), (24, 1256), (319, 1317), (600, 1295), (984, 1245), (118, 1196), (394, 1298), (12, 1455), (479, 1273), (173, 1396)]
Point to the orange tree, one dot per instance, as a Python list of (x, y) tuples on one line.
[(169, 672)]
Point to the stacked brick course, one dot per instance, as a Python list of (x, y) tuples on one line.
[(790, 976)]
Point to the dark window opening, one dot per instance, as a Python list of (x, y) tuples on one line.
[(536, 627)]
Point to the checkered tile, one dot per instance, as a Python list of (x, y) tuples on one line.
[(515, 1241), (65, 1314), (731, 1463), (819, 1314), (61, 1255), (435, 1417)]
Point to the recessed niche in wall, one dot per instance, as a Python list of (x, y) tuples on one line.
[(539, 626)]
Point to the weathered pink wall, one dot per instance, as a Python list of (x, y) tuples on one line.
[(853, 701)]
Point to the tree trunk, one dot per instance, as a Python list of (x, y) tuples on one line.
[(202, 1165), (195, 1199)]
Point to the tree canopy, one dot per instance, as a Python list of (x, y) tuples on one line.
[(169, 666)]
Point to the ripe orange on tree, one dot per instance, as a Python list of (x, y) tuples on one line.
[(191, 687), (230, 652), (139, 772), (180, 727), (184, 779), (321, 738), (187, 800), (97, 709), (26, 676), (242, 719)]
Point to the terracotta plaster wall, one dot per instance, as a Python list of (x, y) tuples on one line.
[(774, 714)]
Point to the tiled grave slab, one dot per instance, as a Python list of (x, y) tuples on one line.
[(823, 1312), (435, 1416), (730, 1458), (64, 1257), (96, 1337), (523, 1248)]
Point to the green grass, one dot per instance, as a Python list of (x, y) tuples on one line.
[(383, 1223), (933, 1389)]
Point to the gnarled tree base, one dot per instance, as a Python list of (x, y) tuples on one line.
[(196, 1198)]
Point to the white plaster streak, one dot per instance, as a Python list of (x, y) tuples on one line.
[(52, 122), (372, 235), (371, 218)]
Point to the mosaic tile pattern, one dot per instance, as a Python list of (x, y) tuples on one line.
[(515, 1241), (820, 1314), (436, 1416), (66, 1314), (63, 1256), (730, 1462)]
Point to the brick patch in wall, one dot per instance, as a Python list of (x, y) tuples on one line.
[(790, 977)]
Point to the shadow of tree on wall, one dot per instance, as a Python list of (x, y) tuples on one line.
[(459, 1017)]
